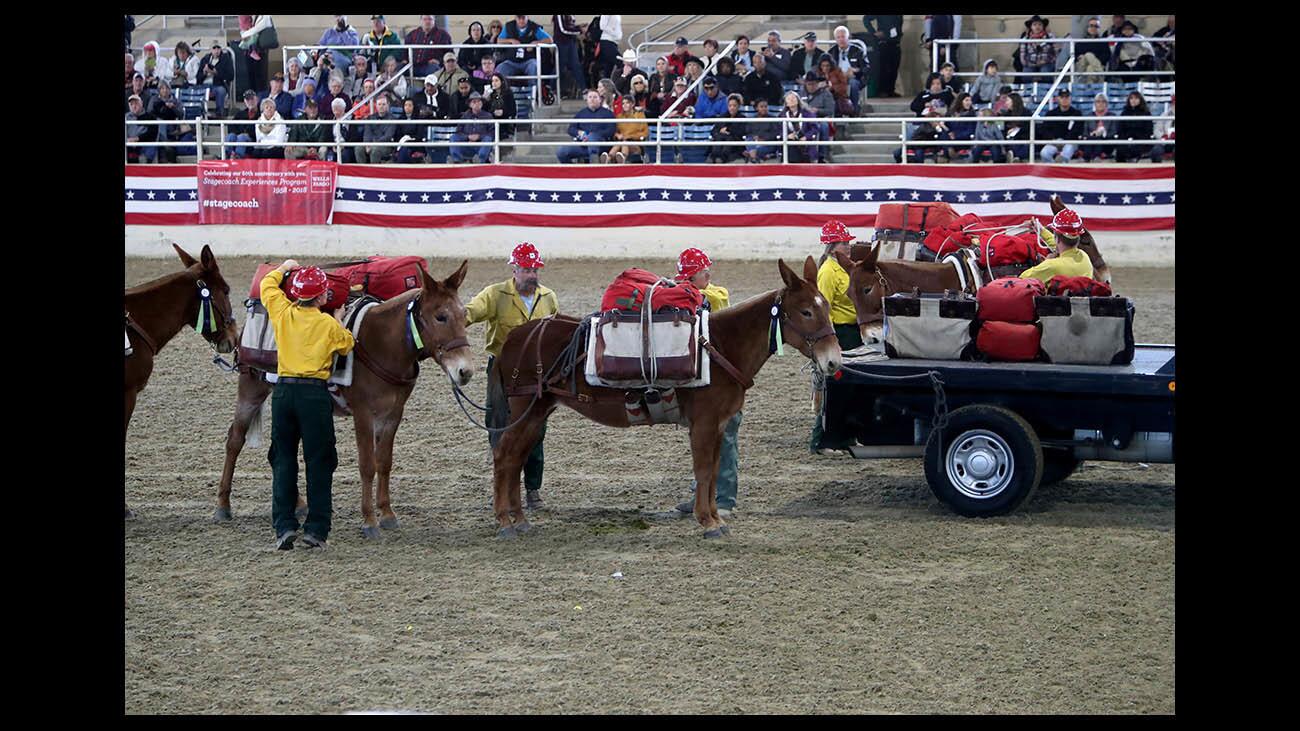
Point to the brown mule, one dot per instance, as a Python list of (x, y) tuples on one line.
[(157, 310), (529, 373), (382, 380)]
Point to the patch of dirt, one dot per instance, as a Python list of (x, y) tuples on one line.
[(845, 586)]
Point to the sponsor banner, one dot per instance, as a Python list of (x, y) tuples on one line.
[(265, 192)]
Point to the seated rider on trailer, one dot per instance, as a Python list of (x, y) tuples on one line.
[(1069, 260), (695, 267)]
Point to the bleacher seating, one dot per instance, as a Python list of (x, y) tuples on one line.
[(194, 101), (523, 108)]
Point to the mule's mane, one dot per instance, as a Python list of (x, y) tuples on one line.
[(755, 302), (159, 283)]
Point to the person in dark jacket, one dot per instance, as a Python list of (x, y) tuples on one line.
[(596, 125), (729, 82), (888, 32), (216, 71), (777, 57), (566, 32), (283, 99), (469, 58), (762, 132), (166, 106), (1099, 129), (727, 132), (378, 133), (936, 129), (934, 89), (307, 140), (762, 84), (333, 91), (476, 128), (1015, 131), (805, 59), (128, 25), (411, 129), (500, 104), (140, 132), (1139, 129), (961, 121), (661, 85), (1091, 52), (460, 98), (433, 99), (1061, 130), (850, 57)]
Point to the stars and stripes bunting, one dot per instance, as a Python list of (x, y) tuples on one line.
[(1117, 198)]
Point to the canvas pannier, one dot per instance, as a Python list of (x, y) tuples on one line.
[(633, 350), (931, 326), (1008, 341), (257, 342), (1086, 330)]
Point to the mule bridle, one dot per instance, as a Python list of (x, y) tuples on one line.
[(414, 324), (780, 316), (209, 322)]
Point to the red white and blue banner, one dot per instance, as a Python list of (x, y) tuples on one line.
[(262, 192), (1109, 198)]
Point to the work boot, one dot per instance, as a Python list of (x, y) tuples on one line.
[(533, 500), (311, 541), (686, 507), (285, 541)]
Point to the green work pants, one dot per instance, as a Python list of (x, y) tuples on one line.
[(498, 415), (302, 412)]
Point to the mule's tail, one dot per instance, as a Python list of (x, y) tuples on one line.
[(253, 437)]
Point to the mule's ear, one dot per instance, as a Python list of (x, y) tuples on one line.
[(428, 283), (453, 282), (870, 260), (810, 270), (186, 259), (1057, 205), (209, 261), (844, 261), (787, 274)]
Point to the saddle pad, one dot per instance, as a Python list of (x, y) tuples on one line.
[(628, 343), (341, 373)]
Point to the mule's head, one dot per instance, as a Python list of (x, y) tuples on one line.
[(207, 276), (866, 289), (1101, 272), (442, 324), (806, 317)]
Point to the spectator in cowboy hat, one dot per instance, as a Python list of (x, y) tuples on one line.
[(1037, 54), (479, 129), (624, 71)]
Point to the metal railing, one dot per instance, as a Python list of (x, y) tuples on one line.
[(657, 140), (703, 75), (292, 52), (665, 32), (1070, 41)]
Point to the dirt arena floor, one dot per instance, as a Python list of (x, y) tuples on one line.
[(844, 586)]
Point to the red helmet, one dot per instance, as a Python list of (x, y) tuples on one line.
[(525, 255), (834, 232), (1067, 222), (307, 283), (692, 262)]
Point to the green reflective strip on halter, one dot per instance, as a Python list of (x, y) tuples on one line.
[(415, 332)]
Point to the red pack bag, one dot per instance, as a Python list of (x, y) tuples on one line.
[(1008, 341), (920, 216), (337, 291), (1009, 299), (385, 277), (1002, 250), (628, 293), (1061, 285), (944, 241)]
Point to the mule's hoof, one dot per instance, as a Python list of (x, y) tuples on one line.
[(222, 515), (127, 514), (389, 524), (715, 533), (300, 513), (523, 527), (508, 533), (370, 532)]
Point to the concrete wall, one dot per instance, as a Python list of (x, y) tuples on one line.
[(768, 242)]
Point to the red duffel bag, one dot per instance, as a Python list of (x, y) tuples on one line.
[(1077, 287), (338, 287), (1008, 341), (1003, 250), (386, 277), (920, 216), (1009, 299), (628, 293), (944, 241)]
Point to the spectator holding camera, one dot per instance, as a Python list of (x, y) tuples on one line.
[(339, 34), (425, 60), (215, 72)]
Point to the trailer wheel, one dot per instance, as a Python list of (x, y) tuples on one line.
[(1058, 464), (986, 461)]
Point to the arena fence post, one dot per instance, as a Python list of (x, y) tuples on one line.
[(496, 140), (198, 138), (904, 136)]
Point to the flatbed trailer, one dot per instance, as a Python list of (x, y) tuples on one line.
[(991, 433)]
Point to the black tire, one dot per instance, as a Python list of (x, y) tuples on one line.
[(1058, 464), (996, 438)]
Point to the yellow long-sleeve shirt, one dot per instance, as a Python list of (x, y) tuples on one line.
[(633, 130), (833, 283), (719, 298), (305, 337), (1071, 263), (501, 307)]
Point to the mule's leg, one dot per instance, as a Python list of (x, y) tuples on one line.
[(507, 464), (252, 394), (385, 435), (363, 420), (130, 408), (706, 449)]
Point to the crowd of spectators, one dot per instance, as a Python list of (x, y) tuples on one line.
[(470, 87)]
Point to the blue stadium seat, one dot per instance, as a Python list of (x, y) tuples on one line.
[(523, 106), (696, 132), (1117, 93), (194, 101)]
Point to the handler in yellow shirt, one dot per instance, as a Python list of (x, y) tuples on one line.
[(1069, 260), (505, 306), (694, 266), (301, 408), (833, 283)]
